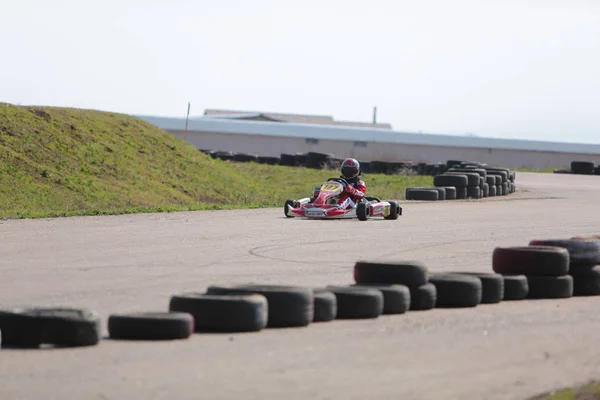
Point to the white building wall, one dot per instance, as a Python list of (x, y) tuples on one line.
[(274, 146)]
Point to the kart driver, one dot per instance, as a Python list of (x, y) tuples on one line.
[(356, 188)]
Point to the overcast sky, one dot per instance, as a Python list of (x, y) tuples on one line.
[(514, 69)]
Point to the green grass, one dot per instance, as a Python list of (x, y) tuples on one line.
[(589, 391), (66, 162), (542, 170)]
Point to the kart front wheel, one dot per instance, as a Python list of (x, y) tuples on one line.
[(291, 203), (363, 211), (394, 210)]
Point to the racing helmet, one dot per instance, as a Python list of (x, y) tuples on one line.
[(350, 168)]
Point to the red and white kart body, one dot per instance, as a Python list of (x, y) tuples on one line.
[(324, 205)]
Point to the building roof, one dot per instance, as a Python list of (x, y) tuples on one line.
[(297, 118), (333, 132)]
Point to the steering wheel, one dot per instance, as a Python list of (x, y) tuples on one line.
[(339, 180)]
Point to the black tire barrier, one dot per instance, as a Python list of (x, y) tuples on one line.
[(531, 260), (287, 160), (450, 192), (151, 326), (472, 178), (357, 302), (458, 181), (586, 280), (492, 286), (454, 290), (482, 172), (268, 160), (516, 287), (223, 313), (317, 160), (224, 155), (473, 192), (583, 167), (65, 327), (423, 297), (486, 190), (441, 191), (300, 160), (288, 305), (492, 191), (242, 157), (396, 298), (408, 273), (325, 305), (550, 287), (580, 251), (422, 194)]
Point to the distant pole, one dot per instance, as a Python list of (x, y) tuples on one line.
[(375, 115), (186, 120)]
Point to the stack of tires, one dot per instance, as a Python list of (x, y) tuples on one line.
[(583, 167), (546, 269), (467, 180)]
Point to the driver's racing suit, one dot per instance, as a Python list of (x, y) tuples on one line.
[(353, 193)]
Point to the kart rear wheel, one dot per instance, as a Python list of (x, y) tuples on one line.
[(394, 210), (291, 203), (363, 211)]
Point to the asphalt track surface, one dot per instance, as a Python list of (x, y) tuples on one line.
[(510, 350)]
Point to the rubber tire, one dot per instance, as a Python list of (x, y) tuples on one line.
[(223, 313), (441, 191), (486, 190), (450, 192), (363, 211), (423, 297), (482, 172), (422, 194), (357, 303), (288, 306), (583, 167), (531, 260), (492, 286), (491, 180), (461, 193), (151, 326), (292, 203), (503, 174), (472, 177), (516, 287), (396, 298), (580, 251), (492, 191), (550, 287), (456, 181), (64, 327), (473, 192), (499, 190), (325, 305), (409, 273), (457, 291), (394, 211), (586, 280)]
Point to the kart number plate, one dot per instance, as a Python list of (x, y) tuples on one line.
[(314, 213), (330, 187), (386, 210)]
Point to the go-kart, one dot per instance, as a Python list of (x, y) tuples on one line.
[(323, 205)]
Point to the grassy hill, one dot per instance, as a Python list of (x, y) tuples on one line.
[(61, 162)]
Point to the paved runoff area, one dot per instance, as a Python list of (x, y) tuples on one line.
[(113, 264)]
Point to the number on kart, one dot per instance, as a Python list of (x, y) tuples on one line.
[(330, 187)]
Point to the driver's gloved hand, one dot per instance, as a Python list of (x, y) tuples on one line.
[(348, 189)]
